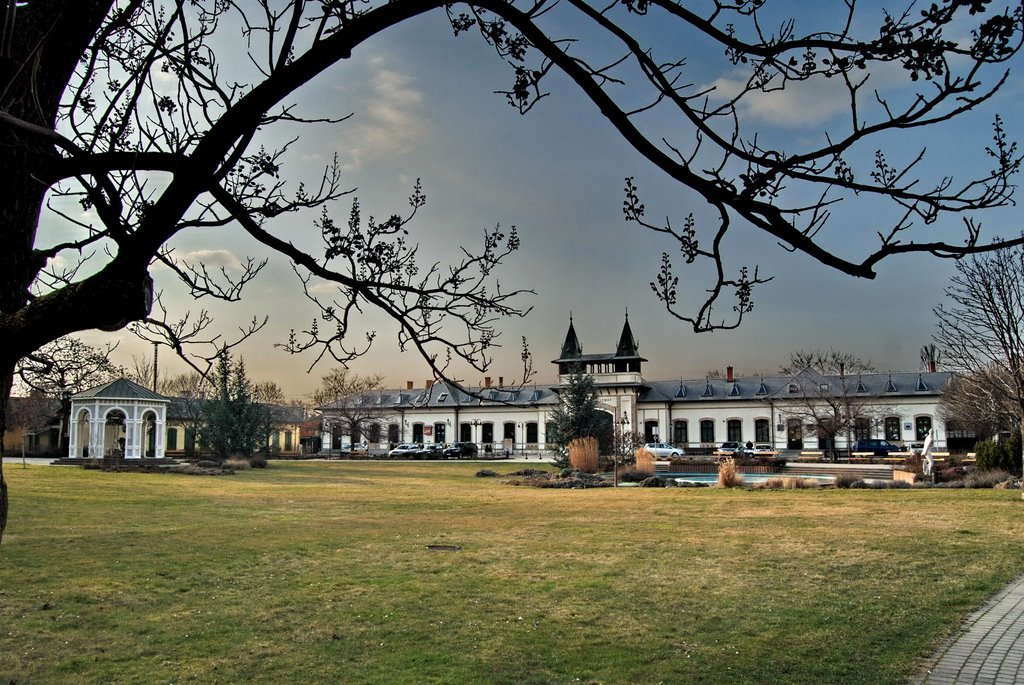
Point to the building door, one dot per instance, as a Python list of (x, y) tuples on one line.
[(794, 434), (439, 434)]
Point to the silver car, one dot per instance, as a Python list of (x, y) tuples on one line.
[(663, 450)]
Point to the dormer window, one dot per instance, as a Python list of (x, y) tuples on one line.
[(792, 388), (708, 392), (400, 398), (823, 387), (735, 391), (535, 395), (762, 389), (681, 392), (890, 386), (921, 385), (442, 397), (861, 390)]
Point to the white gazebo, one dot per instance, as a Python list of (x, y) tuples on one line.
[(118, 419)]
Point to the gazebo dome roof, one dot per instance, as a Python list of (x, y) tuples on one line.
[(121, 389)]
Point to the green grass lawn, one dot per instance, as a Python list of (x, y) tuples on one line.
[(321, 572)]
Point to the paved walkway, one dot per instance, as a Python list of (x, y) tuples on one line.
[(988, 649)]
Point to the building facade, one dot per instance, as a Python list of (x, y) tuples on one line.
[(802, 411)]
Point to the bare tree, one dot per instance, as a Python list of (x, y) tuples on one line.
[(189, 393), (975, 401), (981, 329), (63, 368), (348, 402), (832, 397), (85, 115)]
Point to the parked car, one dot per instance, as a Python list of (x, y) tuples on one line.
[(730, 448), (914, 448), (460, 450), (764, 448), (405, 450), (880, 448), (663, 450), (432, 451)]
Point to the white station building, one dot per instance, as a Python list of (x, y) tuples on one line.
[(695, 415)]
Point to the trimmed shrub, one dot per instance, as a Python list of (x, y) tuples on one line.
[(258, 461), (583, 454), (486, 473)]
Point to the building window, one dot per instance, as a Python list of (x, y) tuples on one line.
[(439, 433), (372, 433), (487, 432), (707, 431), (465, 432), (892, 428), (509, 431), (762, 430), (531, 432), (172, 438), (393, 433), (734, 430), (288, 441), (923, 424), (680, 434), (417, 432), (861, 428)]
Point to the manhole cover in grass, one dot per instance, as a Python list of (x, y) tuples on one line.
[(443, 548)]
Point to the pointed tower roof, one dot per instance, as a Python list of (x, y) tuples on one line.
[(627, 343), (571, 348)]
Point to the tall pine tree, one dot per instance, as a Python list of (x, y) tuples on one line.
[(577, 416)]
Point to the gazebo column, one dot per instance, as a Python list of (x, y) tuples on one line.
[(97, 431), (159, 447), (133, 440)]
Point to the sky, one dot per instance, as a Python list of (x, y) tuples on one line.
[(423, 106)]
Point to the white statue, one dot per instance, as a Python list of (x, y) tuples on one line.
[(926, 452)]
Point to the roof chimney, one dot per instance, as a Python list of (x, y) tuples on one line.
[(842, 370), (487, 381), (408, 385), (931, 366), (728, 373), (501, 381), (429, 384)]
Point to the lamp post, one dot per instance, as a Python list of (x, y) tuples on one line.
[(623, 427)]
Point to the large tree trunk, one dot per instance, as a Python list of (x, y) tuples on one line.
[(45, 43), (6, 378)]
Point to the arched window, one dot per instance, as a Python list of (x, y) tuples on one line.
[(922, 425), (861, 428), (680, 433), (650, 431), (487, 432), (707, 431), (762, 430), (417, 432), (372, 433), (509, 431), (892, 428), (734, 430), (531, 432), (440, 432), (465, 432), (393, 433)]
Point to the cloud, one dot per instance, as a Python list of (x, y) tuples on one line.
[(801, 104), (815, 101), (215, 259), (388, 122), (321, 287)]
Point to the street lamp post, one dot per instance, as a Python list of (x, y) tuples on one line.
[(623, 427)]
